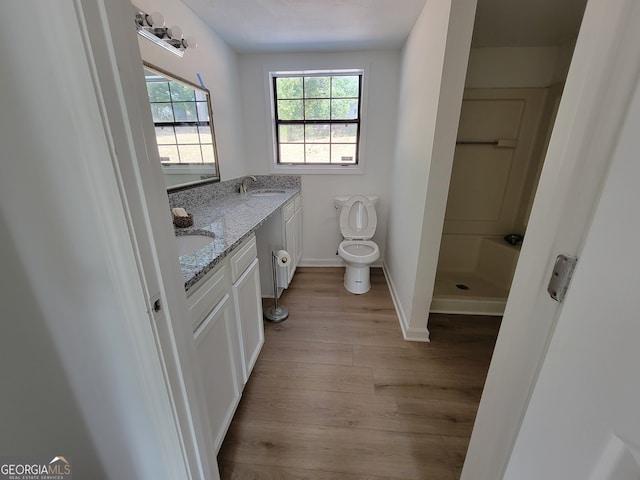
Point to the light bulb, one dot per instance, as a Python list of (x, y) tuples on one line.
[(189, 42), (174, 31), (155, 19)]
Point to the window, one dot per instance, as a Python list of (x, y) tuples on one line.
[(181, 117), (317, 117)]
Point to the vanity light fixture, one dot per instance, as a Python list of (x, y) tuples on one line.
[(152, 27)]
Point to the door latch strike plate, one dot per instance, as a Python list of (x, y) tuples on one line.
[(156, 306), (561, 276)]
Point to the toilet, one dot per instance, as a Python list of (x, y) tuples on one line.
[(358, 221)]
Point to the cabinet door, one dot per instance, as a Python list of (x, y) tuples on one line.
[(248, 302), (298, 229), (215, 340), (291, 245)]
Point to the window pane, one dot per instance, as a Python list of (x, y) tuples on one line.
[(190, 154), (317, 87), (291, 133), (343, 154), (181, 93), (345, 87), (289, 87), (344, 109), (208, 155), (165, 135), (317, 109), (201, 96), (317, 133), (187, 135), (168, 154), (203, 111), (162, 112), (317, 153), (344, 133), (158, 91), (292, 153), (185, 112), (205, 134), (290, 110), (306, 107)]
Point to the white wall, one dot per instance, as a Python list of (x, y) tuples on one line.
[(518, 67), (432, 79), (38, 408), (505, 67), (320, 227), (217, 65)]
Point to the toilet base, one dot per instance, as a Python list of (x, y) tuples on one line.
[(356, 279)]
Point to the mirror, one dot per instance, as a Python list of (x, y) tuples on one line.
[(183, 122)]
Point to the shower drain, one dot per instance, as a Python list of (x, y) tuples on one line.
[(462, 286)]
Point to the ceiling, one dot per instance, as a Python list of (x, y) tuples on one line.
[(337, 25)]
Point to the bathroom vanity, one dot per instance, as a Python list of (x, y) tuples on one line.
[(225, 310), (222, 282), (283, 230)]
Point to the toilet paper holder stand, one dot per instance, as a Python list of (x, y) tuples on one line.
[(277, 313)]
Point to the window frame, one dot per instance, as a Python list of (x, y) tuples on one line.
[(186, 167), (320, 168)]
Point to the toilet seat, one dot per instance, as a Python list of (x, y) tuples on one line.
[(358, 219), (359, 251)]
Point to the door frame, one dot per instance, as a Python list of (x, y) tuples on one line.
[(601, 80), (117, 73)]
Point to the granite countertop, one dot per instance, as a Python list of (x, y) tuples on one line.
[(231, 218)]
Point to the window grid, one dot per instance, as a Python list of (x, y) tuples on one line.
[(197, 151), (309, 144)]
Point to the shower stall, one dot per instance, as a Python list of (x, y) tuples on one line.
[(502, 138)]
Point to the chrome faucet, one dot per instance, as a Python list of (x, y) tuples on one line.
[(243, 184)]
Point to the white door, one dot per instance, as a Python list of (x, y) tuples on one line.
[(583, 420), (600, 85), (248, 304), (215, 354)]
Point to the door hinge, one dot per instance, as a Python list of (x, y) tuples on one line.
[(561, 276)]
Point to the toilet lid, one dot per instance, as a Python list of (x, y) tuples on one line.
[(358, 219)]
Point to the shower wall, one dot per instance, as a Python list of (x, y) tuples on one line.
[(496, 164), (509, 105)]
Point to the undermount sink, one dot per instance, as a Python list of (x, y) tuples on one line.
[(265, 193), (192, 243)]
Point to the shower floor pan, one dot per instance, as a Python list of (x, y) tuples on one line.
[(467, 293)]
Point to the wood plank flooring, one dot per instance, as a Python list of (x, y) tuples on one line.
[(338, 394)]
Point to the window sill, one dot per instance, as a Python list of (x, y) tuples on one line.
[(317, 169)]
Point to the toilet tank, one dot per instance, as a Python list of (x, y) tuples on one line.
[(340, 200)]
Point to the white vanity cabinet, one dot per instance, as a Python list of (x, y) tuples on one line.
[(225, 310), (217, 359), (282, 231), (247, 299), (292, 215)]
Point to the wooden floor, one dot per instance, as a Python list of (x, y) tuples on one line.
[(338, 394)]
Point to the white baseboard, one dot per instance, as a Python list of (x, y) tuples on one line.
[(323, 262), (409, 334), (318, 262)]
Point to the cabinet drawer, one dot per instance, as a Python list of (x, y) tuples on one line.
[(288, 210), (297, 202), (243, 258), (207, 296)]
